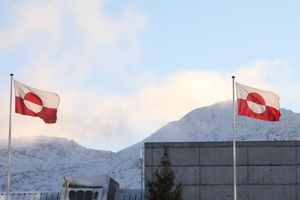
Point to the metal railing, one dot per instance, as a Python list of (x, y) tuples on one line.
[(31, 196), (122, 194)]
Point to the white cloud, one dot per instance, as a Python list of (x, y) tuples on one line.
[(113, 121), (108, 121), (263, 73), (129, 119), (76, 31), (99, 41), (97, 28), (30, 19)]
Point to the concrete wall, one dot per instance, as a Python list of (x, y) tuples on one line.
[(265, 170)]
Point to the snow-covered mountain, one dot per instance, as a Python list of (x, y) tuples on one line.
[(40, 163)]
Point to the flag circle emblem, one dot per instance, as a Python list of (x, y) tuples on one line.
[(256, 102), (33, 102)]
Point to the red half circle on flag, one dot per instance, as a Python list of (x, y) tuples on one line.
[(31, 97), (49, 115), (256, 98), (269, 114)]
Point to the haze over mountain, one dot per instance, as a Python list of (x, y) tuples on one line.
[(40, 163)]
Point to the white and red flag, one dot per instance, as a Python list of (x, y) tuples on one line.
[(256, 103), (36, 103)]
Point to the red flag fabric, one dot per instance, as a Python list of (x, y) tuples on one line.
[(257, 103), (36, 103)]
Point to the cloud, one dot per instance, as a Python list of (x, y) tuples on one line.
[(79, 32), (120, 120), (106, 121), (65, 43), (263, 73), (92, 22), (28, 20)]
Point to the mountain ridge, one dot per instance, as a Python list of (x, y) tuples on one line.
[(43, 165)]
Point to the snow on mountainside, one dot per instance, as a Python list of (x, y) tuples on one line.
[(43, 164), (214, 123), (40, 163)]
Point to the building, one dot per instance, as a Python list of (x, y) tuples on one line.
[(100, 187), (265, 170)]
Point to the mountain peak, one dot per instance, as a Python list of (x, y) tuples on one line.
[(214, 123)]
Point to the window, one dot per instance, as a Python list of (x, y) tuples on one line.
[(79, 195), (88, 195), (96, 195), (83, 195), (72, 195)]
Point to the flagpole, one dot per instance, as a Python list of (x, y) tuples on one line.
[(141, 162), (9, 142), (234, 142)]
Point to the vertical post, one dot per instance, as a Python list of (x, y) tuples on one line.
[(141, 160), (233, 141), (9, 142)]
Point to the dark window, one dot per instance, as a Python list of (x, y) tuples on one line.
[(88, 195), (96, 195), (72, 195), (79, 195)]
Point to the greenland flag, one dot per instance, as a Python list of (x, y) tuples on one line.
[(36, 103), (257, 103)]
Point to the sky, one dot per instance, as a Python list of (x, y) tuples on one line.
[(123, 69)]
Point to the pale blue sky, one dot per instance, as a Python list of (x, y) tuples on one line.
[(127, 68)]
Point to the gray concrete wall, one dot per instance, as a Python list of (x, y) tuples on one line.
[(265, 170)]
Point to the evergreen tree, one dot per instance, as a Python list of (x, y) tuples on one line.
[(164, 188)]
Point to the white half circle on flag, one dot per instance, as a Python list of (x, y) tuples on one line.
[(257, 108), (33, 107)]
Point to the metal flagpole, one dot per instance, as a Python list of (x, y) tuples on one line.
[(234, 145), (9, 142), (141, 161)]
